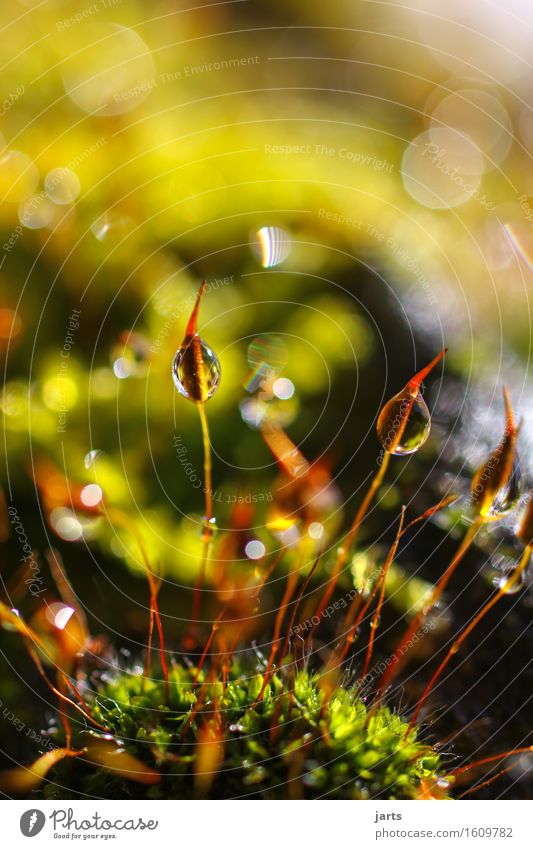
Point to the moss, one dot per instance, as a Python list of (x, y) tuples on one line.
[(288, 743)]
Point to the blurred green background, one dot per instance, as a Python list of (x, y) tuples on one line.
[(352, 179)]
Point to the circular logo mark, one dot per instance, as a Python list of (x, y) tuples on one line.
[(32, 822)]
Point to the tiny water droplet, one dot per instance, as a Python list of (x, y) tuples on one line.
[(112, 226), (443, 783), (496, 485), (91, 457), (272, 245), (209, 526), (267, 355), (507, 496), (510, 586), (59, 615), (129, 355), (404, 423)]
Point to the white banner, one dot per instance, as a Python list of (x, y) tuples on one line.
[(263, 825)]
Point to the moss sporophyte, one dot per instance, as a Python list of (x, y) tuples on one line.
[(221, 716)]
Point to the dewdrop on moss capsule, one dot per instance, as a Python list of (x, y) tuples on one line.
[(404, 422), (195, 368), (496, 484)]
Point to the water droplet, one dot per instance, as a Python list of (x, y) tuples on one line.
[(266, 357), (273, 246), (510, 586), (506, 497), (443, 783), (129, 355), (195, 368), (59, 615), (91, 457), (404, 423), (112, 227), (496, 485)]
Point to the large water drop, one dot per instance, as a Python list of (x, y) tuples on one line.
[(404, 423), (196, 370)]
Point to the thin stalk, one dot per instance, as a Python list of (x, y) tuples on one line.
[(197, 598), (485, 783), (351, 537), (412, 388), (255, 595), (214, 629), (297, 605), (421, 615), (454, 648), (383, 580), (383, 573), (509, 754), (290, 587), (34, 656), (123, 519)]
